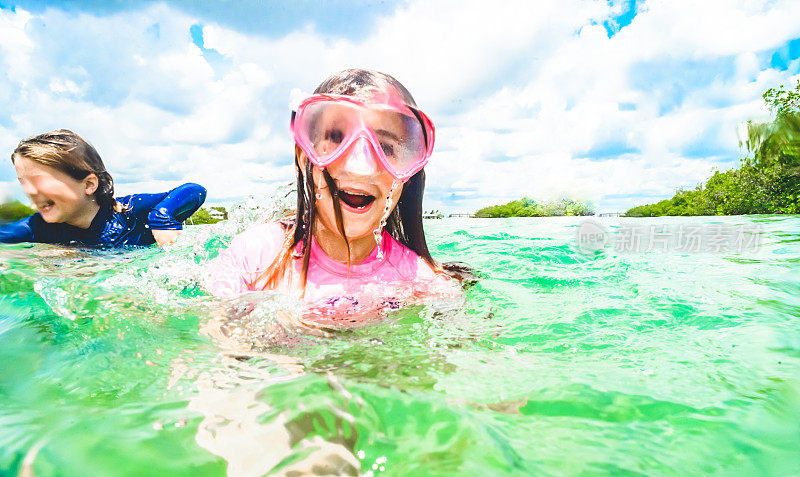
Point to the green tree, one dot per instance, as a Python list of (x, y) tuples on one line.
[(766, 182), (222, 211), (527, 207), (12, 211), (202, 216)]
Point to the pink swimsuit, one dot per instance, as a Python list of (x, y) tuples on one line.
[(400, 277)]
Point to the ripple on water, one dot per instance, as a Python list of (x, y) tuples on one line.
[(557, 362)]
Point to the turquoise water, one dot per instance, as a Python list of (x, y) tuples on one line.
[(558, 362)]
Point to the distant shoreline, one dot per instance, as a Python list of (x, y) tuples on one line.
[(526, 207)]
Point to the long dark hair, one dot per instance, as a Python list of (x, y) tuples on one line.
[(67, 152), (405, 221)]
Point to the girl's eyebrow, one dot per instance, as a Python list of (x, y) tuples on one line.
[(389, 134)]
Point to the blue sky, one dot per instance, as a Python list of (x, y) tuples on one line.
[(614, 102)]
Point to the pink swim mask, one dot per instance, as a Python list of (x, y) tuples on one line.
[(326, 125)]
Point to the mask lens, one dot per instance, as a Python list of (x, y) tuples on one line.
[(327, 127), (400, 136)]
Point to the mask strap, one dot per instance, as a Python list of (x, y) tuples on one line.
[(421, 123), (387, 209)]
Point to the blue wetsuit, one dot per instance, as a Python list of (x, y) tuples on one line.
[(143, 212)]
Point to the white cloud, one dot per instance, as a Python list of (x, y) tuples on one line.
[(159, 113), (712, 28), (572, 103), (15, 45), (525, 95)]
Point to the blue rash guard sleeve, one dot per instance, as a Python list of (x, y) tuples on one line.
[(168, 211), (133, 226), (19, 231)]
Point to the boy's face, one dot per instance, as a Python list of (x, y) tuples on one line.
[(57, 196)]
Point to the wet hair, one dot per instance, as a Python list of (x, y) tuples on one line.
[(405, 221), (356, 82), (67, 152)]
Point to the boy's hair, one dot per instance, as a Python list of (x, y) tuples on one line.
[(67, 152), (405, 221)]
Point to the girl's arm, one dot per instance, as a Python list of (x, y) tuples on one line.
[(228, 273)]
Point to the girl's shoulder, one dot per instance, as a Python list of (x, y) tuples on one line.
[(263, 231), (249, 254), (260, 243)]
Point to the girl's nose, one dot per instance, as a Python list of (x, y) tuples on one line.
[(360, 159), (28, 188)]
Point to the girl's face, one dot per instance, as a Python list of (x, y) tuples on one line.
[(363, 182), (56, 196)]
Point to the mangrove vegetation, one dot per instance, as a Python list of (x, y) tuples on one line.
[(526, 207), (207, 216), (13, 211), (766, 182)]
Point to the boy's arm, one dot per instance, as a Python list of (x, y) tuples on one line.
[(19, 231), (165, 213), (176, 206)]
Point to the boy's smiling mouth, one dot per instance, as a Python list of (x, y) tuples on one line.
[(46, 206)]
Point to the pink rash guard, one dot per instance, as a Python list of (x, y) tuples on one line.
[(401, 276)]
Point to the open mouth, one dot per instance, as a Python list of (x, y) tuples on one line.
[(46, 206), (356, 200)]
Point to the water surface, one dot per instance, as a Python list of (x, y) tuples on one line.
[(559, 361)]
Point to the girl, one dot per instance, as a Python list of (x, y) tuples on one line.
[(73, 193), (356, 239)]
